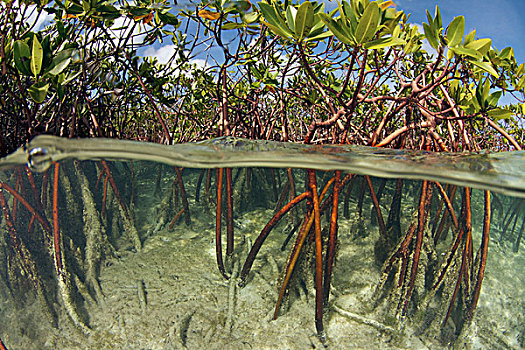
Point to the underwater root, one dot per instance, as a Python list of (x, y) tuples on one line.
[(312, 219), (96, 239), (183, 196), (2, 346), (127, 219), (413, 254), (458, 275), (23, 257), (63, 277), (218, 240), (358, 318)]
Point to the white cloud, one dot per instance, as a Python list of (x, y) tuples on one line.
[(41, 20), (162, 54)]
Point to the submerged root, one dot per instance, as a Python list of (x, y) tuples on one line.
[(361, 319), (127, 219), (97, 244), (232, 292), (163, 210), (66, 292), (130, 230), (20, 261)]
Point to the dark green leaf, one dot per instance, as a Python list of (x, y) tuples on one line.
[(59, 66), (437, 19), (506, 53), (274, 21), (486, 90), (349, 17), (60, 62), (72, 76), (494, 98), (86, 5), (278, 30), (21, 56), (318, 31), (500, 113), (479, 95), (291, 12), (318, 26), (521, 83), (336, 29), (168, 18), (320, 36), (232, 25), (61, 30), (429, 18), (345, 9)]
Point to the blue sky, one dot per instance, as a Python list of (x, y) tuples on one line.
[(500, 20)]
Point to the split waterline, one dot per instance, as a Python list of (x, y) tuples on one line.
[(503, 172), (112, 244)]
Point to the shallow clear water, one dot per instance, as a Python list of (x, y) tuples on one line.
[(133, 274)]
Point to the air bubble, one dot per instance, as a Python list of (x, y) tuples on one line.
[(39, 159)]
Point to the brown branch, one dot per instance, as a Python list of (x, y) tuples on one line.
[(154, 105), (349, 72), (504, 133), (353, 102), (376, 133), (401, 131)]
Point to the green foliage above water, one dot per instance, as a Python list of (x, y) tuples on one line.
[(360, 73)]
